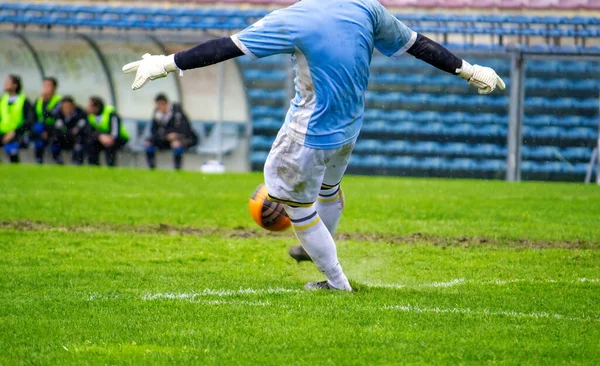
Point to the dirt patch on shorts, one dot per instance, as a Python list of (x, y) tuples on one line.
[(241, 232)]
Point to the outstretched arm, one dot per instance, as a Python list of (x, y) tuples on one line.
[(484, 79), (393, 38), (266, 37), (205, 54)]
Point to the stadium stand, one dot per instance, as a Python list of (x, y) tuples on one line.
[(418, 121), (424, 4)]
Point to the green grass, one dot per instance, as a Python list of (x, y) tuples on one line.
[(500, 273)]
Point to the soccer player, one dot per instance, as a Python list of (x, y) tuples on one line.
[(331, 43), (107, 132), (16, 116), (71, 129), (42, 131), (170, 129)]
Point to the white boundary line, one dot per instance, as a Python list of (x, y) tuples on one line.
[(462, 281), (485, 312), (219, 293)]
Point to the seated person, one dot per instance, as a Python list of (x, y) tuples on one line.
[(70, 131), (170, 129), (16, 116), (45, 108), (106, 133)]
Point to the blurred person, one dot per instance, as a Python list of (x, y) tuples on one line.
[(43, 129), (331, 43), (106, 133), (16, 116), (170, 129), (71, 129)]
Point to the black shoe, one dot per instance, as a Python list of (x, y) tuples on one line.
[(324, 285), (299, 254)]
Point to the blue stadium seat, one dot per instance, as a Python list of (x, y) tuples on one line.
[(576, 153), (403, 162), (368, 146), (491, 165), (258, 157), (397, 147), (267, 124)]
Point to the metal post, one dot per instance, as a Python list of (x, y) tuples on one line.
[(590, 169), (220, 101), (598, 147), (515, 123)]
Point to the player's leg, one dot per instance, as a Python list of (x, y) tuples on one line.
[(40, 135), (59, 142), (330, 203), (293, 175), (112, 151), (178, 149), (78, 154), (10, 144), (93, 148), (151, 147)]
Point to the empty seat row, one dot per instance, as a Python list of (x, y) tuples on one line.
[(459, 117), (395, 129), (589, 85), (432, 164), (400, 147), (400, 163), (231, 19), (382, 63), (250, 12)]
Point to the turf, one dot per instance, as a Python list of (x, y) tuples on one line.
[(105, 266)]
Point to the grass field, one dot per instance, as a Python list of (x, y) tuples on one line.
[(123, 266)]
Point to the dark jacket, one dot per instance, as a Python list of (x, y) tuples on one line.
[(66, 124), (175, 121)]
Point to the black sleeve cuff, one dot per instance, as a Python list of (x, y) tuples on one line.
[(435, 54)]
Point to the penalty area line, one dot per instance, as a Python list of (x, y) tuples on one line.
[(485, 312), (218, 293), (462, 282)]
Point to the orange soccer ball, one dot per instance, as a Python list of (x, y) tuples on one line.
[(266, 213)]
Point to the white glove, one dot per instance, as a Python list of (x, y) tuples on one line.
[(484, 79), (150, 68)]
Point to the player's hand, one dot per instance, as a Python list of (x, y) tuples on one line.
[(106, 140), (7, 137), (484, 79), (150, 68)]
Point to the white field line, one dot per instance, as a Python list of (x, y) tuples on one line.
[(462, 281), (467, 311), (218, 293)]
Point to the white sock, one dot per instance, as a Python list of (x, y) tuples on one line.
[(330, 207), (318, 243)]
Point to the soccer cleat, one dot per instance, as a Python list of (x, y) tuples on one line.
[(324, 285), (299, 254)]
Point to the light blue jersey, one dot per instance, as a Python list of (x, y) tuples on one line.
[(332, 43)]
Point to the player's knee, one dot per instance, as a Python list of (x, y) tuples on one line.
[(12, 148)]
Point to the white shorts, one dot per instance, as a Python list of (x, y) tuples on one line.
[(294, 173)]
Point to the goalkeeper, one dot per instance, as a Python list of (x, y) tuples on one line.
[(331, 43)]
